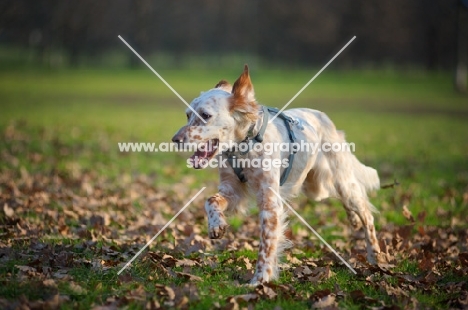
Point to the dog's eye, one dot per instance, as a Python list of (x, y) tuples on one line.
[(205, 115), (188, 116)]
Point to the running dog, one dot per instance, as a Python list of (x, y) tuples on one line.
[(230, 115)]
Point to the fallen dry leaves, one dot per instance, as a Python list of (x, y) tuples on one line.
[(57, 222)]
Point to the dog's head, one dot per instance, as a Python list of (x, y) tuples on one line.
[(225, 114)]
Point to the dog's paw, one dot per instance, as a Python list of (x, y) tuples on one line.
[(217, 225), (257, 280), (217, 232)]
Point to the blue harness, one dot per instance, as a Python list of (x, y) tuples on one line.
[(288, 122)]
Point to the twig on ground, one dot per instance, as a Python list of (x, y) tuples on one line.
[(392, 185)]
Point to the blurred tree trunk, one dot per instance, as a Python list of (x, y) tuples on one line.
[(141, 10), (461, 69)]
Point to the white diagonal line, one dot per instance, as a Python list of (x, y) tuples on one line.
[(160, 231), (311, 80), (316, 233), (161, 78)]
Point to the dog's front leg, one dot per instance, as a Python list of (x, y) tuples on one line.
[(214, 207), (231, 197), (271, 236)]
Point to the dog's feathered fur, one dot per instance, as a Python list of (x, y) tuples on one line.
[(230, 112)]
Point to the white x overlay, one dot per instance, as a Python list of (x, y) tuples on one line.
[(160, 231), (311, 80), (315, 233), (162, 79), (199, 192)]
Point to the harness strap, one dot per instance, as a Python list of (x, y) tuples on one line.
[(288, 122), (237, 169), (286, 172)]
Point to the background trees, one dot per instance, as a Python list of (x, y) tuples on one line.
[(399, 32)]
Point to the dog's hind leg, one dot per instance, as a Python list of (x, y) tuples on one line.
[(314, 189), (353, 219), (357, 207)]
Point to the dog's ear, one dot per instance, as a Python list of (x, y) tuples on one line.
[(243, 88), (224, 85), (243, 96)]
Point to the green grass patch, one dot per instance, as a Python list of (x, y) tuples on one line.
[(60, 134)]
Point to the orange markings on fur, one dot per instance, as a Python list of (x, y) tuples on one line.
[(224, 85), (269, 226), (243, 97), (218, 201)]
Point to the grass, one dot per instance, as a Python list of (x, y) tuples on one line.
[(410, 126)]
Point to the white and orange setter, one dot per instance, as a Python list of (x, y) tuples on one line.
[(232, 115)]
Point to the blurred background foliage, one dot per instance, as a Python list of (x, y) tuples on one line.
[(398, 34)]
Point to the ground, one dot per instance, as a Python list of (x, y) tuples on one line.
[(74, 210)]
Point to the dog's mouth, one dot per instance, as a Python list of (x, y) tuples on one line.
[(204, 153)]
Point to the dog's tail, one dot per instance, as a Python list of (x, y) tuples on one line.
[(367, 176)]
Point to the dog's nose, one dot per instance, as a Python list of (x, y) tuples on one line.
[(179, 136)]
